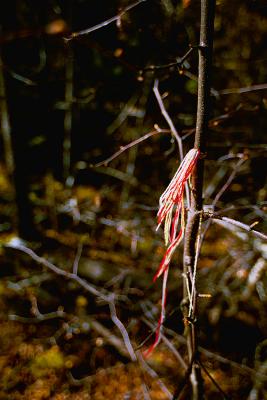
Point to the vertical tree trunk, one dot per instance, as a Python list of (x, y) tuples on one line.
[(194, 213), (68, 114), (5, 123), (68, 119)]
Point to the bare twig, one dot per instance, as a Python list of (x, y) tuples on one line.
[(47, 264), (222, 190), (168, 118), (257, 208), (21, 78), (229, 223), (178, 63), (128, 110), (193, 293), (167, 342), (106, 22), (122, 330), (129, 145), (77, 259), (112, 339), (245, 89), (109, 298), (27, 282), (172, 128), (145, 392), (193, 77), (117, 174), (38, 318), (225, 397), (229, 180)]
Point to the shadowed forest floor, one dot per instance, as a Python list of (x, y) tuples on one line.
[(56, 338)]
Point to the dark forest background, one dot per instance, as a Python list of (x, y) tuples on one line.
[(70, 102)]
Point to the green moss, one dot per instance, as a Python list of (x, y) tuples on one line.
[(47, 361)]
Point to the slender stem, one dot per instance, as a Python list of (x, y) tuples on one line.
[(192, 227), (106, 22)]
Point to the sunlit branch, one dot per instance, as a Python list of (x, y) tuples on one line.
[(229, 223)]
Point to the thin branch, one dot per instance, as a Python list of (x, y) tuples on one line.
[(229, 180), (128, 110), (27, 282), (168, 118), (225, 397), (184, 381), (21, 78), (122, 330), (222, 190), (108, 298), (110, 338), (193, 77), (122, 176), (227, 222), (38, 318), (145, 392), (178, 63), (167, 342), (193, 294), (128, 146), (106, 22), (257, 208), (243, 369), (245, 89), (172, 128), (47, 264), (77, 259)]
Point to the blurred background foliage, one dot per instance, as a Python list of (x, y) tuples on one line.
[(69, 104)]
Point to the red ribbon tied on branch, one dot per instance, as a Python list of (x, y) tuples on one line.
[(171, 210)]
